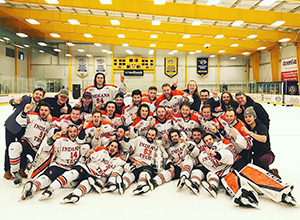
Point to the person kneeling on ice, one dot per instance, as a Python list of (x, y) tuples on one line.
[(67, 153), (91, 173), (141, 166), (210, 163), (176, 152)]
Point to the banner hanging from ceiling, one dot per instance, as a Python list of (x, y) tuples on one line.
[(202, 66), (100, 65), (171, 66), (289, 69), (82, 66)]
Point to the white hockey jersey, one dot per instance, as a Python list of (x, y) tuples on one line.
[(36, 128), (166, 126), (105, 94), (177, 151), (220, 167), (100, 163), (187, 125)]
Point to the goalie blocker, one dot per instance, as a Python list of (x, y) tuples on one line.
[(244, 187)]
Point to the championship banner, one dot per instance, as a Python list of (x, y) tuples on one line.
[(289, 69), (82, 66), (171, 66), (100, 65), (202, 66)]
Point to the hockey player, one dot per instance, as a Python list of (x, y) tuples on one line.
[(207, 120), (100, 162), (67, 153), (186, 120), (96, 132), (143, 121), (150, 97), (212, 162), (67, 120), (109, 114), (176, 152), (102, 92), (36, 127), (85, 104), (172, 99), (129, 113), (141, 167), (164, 124)]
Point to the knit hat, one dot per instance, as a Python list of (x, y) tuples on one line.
[(119, 95), (64, 92), (250, 111)]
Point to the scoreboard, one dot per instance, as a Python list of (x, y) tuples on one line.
[(134, 63)]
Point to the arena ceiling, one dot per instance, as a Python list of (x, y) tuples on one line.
[(232, 27)]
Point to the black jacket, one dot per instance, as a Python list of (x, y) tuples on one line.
[(55, 109)]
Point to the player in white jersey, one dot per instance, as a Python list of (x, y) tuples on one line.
[(213, 162), (109, 114), (164, 124), (67, 153), (176, 152), (186, 120), (97, 131), (66, 120), (207, 120), (142, 158), (102, 92), (36, 128), (129, 113), (143, 121), (99, 164), (172, 99), (150, 97)]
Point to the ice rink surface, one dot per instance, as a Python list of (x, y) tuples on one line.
[(165, 202)]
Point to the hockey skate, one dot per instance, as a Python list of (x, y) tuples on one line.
[(287, 197), (120, 185), (71, 198), (181, 182), (109, 187), (47, 194), (141, 189), (247, 198), (17, 179), (210, 188), (27, 191), (192, 186), (96, 184), (151, 182)]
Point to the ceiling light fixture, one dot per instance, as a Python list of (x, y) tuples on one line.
[(125, 45), (252, 36), (266, 2), (104, 51), (196, 23), (156, 22), (232, 58), (22, 35), (97, 44), (186, 36), (68, 55), (88, 35), (237, 23), (281, 40), (73, 21), (261, 48), (70, 44), (212, 2), (56, 50), (42, 44), (246, 53), (219, 36), (55, 35), (191, 53), (6, 38), (32, 21), (42, 51), (277, 23), (52, 1), (159, 2), (25, 45), (152, 45), (115, 22), (153, 36), (105, 2), (206, 45), (234, 45), (221, 51), (109, 52), (121, 36), (198, 51), (151, 52), (89, 55), (179, 45), (80, 50), (212, 56)]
